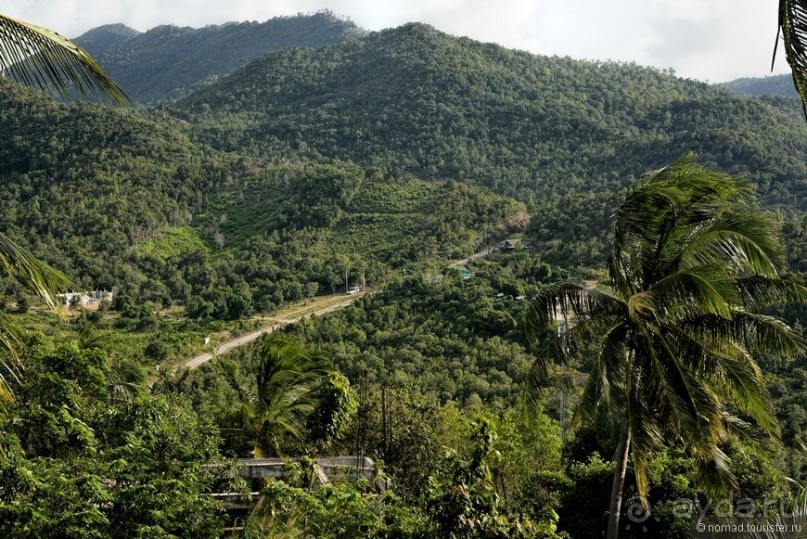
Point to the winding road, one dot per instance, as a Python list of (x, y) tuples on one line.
[(277, 322)]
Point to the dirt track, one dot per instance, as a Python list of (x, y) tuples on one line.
[(277, 321)]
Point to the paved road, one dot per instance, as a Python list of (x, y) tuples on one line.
[(479, 254), (249, 337)]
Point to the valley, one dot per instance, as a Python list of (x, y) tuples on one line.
[(465, 262)]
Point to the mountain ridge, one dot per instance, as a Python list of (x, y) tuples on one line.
[(779, 85), (102, 38), (551, 131), (168, 61)]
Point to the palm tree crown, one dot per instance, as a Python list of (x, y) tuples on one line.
[(675, 341), (288, 378)]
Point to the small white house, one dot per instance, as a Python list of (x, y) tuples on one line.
[(85, 298)]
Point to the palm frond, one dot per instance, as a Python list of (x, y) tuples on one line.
[(569, 301), (558, 351), (659, 214), (686, 294), (793, 28), (126, 380), (645, 434), (602, 393), (759, 334), (713, 473), (38, 277), (10, 366), (40, 58), (41, 279), (742, 240), (759, 292)]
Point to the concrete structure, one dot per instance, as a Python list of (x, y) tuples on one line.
[(257, 471)]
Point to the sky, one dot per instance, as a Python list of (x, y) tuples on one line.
[(710, 40)]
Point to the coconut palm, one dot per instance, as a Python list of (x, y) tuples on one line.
[(287, 382), (675, 342)]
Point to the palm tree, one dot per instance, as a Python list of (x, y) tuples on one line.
[(693, 264), (44, 60), (287, 383)]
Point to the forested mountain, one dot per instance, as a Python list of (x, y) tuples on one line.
[(125, 199), (167, 62), (377, 159), (781, 85), (88, 186), (101, 39), (565, 136)]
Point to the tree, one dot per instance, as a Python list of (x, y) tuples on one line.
[(288, 380), (674, 343), (42, 59)]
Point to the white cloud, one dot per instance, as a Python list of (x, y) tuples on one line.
[(705, 39)]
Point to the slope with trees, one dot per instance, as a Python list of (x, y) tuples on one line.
[(168, 62), (779, 85), (565, 136)]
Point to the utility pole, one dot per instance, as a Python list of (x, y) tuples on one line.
[(486, 235), (384, 439), (561, 331), (347, 287)]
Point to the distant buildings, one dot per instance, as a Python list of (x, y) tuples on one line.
[(85, 299), (509, 245)]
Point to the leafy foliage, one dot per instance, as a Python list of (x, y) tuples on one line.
[(692, 264), (78, 460), (41, 58)]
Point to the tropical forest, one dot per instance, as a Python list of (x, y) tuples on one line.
[(300, 279)]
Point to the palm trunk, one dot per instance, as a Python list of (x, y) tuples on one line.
[(622, 453)]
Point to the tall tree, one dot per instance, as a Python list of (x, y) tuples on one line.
[(288, 380), (675, 341)]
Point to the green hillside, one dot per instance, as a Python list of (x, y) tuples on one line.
[(563, 135), (168, 62), (100, 40), (780, 85), (125, 199), (381, 160)]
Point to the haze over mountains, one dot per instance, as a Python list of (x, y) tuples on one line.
[(779, 85), (167, 62), (364, 147)]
